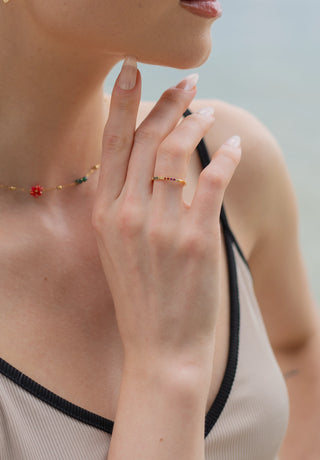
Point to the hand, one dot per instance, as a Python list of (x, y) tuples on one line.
[(161, 256)]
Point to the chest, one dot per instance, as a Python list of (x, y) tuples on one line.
[(65, 337), (58, 324)]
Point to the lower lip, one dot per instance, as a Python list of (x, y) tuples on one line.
[(204, 8)]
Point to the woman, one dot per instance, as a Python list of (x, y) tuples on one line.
[(133, 298)]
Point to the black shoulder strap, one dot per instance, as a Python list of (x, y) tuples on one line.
[(205, 160), (202, 149)]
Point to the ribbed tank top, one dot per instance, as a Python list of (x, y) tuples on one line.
[(247, 420)]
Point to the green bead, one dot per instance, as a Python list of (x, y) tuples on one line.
[(81, 179)]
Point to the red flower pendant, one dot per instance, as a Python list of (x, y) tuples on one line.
[(36, 191)]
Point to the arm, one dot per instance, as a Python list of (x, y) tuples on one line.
[(263, 212), (160, 413), (163, 275), (302, 371), (287, 306)]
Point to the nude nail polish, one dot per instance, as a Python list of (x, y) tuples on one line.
[(235, 141), (189, 82), (209, 111), (128, 74)]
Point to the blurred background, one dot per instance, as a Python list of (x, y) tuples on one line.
[(266, 58)]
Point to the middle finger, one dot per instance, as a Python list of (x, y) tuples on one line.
[(162, 119)]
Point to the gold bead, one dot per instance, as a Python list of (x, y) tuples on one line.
[(59, 187), (6, 1), (12, 187), (95, 166)]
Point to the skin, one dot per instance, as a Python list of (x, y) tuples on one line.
[(73, 46), (80, 48)]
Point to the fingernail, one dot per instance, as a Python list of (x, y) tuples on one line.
[(128, 74), (206, 111), (235, 141), (188, 82)]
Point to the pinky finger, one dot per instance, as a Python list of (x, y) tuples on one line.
[(213, 181)]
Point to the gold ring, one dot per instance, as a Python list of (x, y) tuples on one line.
[(174, 179)]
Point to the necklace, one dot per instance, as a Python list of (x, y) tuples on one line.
[(37, 190)]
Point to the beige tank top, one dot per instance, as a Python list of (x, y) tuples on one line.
[(247, 420)]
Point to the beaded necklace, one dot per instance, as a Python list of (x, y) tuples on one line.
[(37, 190)]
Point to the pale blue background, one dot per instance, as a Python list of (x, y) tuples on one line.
[(266, 59)]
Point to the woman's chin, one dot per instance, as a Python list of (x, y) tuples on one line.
[(186, 56), (193, 57)]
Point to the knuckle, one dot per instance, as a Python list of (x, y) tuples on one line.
[(98, 218), (172, 149), (194, 244), (113, 141), (213, 178), (232, 155), (159, 235), (146, 135), (130, 219)]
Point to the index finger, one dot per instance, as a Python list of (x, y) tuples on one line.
[(119, 131)]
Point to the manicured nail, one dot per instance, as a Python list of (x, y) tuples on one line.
[(188, 82), (128, 74), (208, 111), (235, 141)]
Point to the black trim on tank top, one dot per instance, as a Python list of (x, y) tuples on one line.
[(105, 424), (234, 337), (205, 160), (54, 400), (222, 396)]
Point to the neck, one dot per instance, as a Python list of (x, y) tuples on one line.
[(52, 114)]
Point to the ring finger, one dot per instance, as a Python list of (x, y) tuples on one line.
[(173, 158)]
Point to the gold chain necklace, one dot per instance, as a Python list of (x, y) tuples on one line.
[(37, 190)]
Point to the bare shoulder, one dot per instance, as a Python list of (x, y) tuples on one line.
[(262, 211), (260, 175)]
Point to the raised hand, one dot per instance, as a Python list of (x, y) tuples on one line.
[(161, 256)]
